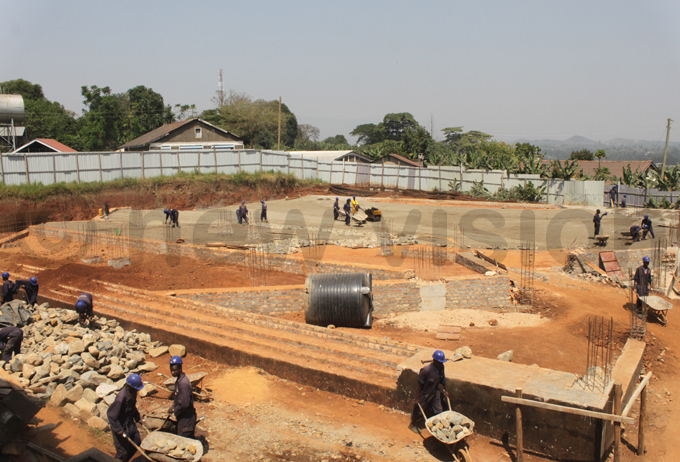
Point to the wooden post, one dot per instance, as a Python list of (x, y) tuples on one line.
[(382, 177), (330, 179), (77, 167), (420, 183), (215, 155), (317, 168), (440, 177), (160, 159), (2, 168), (28, 180), (343, 171), (288, 172), (239, 161), (54, 167), (398, 174), (179, 163), (302, 165), (199, 161), (261, 160), (101, 175), (520, 430), (617, 425), (141, 153), (641, 423), (356, 175), (122, 175)]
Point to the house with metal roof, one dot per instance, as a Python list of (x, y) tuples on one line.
[(332, 156), (396, 159), (45, 145), (190, 134)]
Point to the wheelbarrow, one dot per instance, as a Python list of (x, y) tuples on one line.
[(601, 240), (445, 428), (167, 447), (200, 393), (657, 306)]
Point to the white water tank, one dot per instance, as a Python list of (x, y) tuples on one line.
[(11, 108)]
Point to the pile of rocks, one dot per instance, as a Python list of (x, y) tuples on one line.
[(79, 368), (450, 426)]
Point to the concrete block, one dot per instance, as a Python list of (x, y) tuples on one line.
[(433, 297)]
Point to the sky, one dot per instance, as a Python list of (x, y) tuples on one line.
[(521, 69)]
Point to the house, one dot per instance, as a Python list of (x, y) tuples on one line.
[(187, 134), (45, 145), (332, 156), (396, 159)]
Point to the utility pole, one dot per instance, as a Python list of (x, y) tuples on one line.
[(665, 151), (278, 148)]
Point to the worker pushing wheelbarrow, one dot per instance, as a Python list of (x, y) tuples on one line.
[(646, 303)]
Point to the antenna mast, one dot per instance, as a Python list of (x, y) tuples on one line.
[(220, 89)]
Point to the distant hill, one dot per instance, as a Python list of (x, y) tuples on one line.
[(617, 148)]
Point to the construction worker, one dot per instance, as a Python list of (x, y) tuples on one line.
[(646, 225), (10, 342), (9, 288), (263, 213), (242, 213), (613, 196), (122, 415), (596, 221), (623, 201), (183, 407), (636, 232), (84, 307), (336, 209), (167, 215), (429, 397), (642, 281), (355, 205), (348, 209), (31, 289), (174, 217)]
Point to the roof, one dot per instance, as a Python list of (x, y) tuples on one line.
[(54, 145), (589, 167), (403, 159), (165, 130), (328, 155)]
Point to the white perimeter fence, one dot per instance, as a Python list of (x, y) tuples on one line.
[(49, 168)]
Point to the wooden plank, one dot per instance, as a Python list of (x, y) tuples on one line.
[(617, 425), (641, 422), (520, 430), (643, 383), (490, 260), (569, 410), (608, 256)]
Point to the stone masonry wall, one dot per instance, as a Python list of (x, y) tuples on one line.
[(628, 259), (276, 301), (476, 292)]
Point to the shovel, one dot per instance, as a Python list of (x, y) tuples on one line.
[(138, 448)]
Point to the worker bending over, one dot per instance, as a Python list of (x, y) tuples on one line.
[(429, 397), (122, 415), (646, 225), (355, 205), (10, 342), (642, 281), (242, 213), (31, 289), (84, 307), (636, 232), (183, 407)]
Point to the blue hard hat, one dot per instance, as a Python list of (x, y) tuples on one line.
[(34, 281), (646, 216), (439, 356), (165, 210), (262, 200), (135, 381), (5, 275), (337, 198), (645, 259), (81, 304), (176, 360)]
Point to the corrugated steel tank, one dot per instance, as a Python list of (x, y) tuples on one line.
[(341, 299), (11, 107)]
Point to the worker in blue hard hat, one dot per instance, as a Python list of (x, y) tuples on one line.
[(183, 406), (9, 288), (596, 221), (642, 281), (122, 415), (429, 396), (84, 307), (336, 209), (242, 213), (646, 225), (31, 289)]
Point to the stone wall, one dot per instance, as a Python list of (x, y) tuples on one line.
[(478, 292)]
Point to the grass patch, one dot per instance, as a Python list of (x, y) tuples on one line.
[(39, 192)]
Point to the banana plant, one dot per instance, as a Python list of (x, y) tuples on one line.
[(565, 171)]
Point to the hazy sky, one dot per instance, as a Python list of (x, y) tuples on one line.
[(532, 69)]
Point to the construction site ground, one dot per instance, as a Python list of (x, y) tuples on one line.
[(256, 416)]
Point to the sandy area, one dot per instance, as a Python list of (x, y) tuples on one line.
[(431, 320)]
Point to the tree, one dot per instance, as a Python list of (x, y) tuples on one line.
[(28, 90), (530, 159), (417, 141), (600, 153), (337, 139), (368, 134), (308, 132), (101, 125), (396, 125), (455, 137), (561, 171), (583, 154), (146, 111)]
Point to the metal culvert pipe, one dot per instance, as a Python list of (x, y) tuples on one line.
[(341, 299)]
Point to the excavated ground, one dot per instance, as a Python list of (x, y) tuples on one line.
[(259, 416)]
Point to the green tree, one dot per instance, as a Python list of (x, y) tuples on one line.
[(146, 111), (583, 154), (417, 141), (28, 90), (102, 122), (600, 153), (563, 171), (396, 125), (455, 137), (337, 139), (530, 159), (368, 134)]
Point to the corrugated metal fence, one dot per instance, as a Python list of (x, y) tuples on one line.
[(48, 168)]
